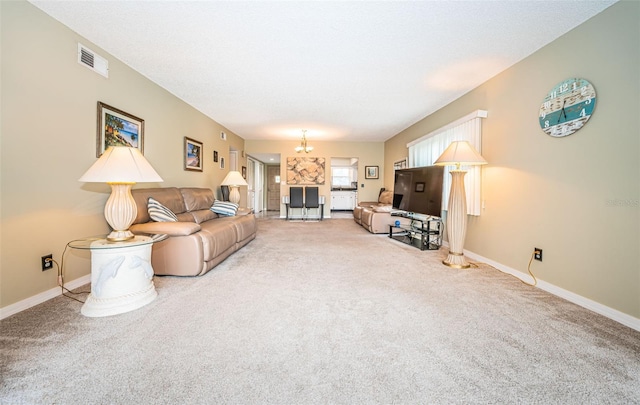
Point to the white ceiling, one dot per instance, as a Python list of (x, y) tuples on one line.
[(347, 71)]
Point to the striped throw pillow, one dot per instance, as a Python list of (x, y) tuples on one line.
[(159, 212), (224, 208)]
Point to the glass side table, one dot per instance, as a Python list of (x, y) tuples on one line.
[(121, 274)]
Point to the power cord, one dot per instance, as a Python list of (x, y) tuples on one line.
[(60, 269), (535, 280)]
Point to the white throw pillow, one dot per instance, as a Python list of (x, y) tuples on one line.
[(159, 212), (225, 208)]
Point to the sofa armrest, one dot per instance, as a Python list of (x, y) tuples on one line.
[(244, 211), (382, 208), (367, 204), (169, 228)]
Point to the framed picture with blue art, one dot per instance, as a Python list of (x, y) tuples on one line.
[(192, 154), (118, 128)]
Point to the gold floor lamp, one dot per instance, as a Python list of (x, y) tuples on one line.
[(459, 153)]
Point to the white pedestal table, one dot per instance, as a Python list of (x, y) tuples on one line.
[(121, 274)]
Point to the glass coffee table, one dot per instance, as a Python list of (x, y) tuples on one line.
[(121, 274)]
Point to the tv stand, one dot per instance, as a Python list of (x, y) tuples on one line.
[(423, 232)]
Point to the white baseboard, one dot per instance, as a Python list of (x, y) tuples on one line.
[(42, 297), (621, 317), (591, 305)]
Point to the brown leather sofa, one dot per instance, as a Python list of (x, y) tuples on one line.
[(375, 216), (200, 240)]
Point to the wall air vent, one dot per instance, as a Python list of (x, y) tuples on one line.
[(93, 61)]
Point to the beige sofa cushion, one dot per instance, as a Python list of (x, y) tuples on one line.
[(386, 197), (218, 238), (170, 197), (197, 198), (205, 215)]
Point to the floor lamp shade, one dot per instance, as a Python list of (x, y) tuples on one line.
[(121, 167), (234, 180), (459, 153)]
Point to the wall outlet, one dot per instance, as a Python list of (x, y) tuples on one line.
[(537, 254), (47, 262)]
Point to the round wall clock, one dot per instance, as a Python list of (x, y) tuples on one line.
[(567, 107)]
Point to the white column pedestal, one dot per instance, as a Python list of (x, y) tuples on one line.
[(121, 277)]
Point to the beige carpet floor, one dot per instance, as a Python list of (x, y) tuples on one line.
[(324, 313)]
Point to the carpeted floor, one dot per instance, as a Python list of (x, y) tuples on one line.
[(324, 313)]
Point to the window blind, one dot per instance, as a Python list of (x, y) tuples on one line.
[(426, 150)]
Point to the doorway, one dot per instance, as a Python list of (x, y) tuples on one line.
[(273, 188), (256, 180)]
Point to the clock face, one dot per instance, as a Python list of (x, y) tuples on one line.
[(567, 107)]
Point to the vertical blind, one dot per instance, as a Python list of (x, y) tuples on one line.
[(427, 149)]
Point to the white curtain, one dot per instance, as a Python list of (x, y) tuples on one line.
[(427, 149)]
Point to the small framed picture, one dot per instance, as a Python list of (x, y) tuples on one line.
[(221, 162), (371, 172), (223, 136), (215, 156), (420, 187), (192, 154), (118, 128), (244, 172)]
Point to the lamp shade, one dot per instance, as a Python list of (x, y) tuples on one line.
[(234, 178), (121, 164), (460, 153)]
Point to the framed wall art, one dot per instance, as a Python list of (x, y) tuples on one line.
[(215, 156), (244, 172), (118, 128), (305, 170), (371, 172), (192, 154), (221, 162)]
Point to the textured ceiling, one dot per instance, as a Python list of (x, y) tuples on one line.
[(348, 71)]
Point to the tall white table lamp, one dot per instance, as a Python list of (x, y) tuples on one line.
[(121, 167), (234, 180), (459, 153)]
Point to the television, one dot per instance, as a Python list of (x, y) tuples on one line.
[(418, 190)]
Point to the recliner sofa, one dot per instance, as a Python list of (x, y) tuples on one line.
[(200, 239), (375, 216)]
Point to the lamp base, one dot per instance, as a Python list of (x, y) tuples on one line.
[(120, 211), (234, 194), (457, 222), (456, 261), (120, 236)]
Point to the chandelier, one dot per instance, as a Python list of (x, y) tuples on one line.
[(303, 144)]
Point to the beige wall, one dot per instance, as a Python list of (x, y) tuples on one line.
[(48, 136), (577, 197), (368, 154)]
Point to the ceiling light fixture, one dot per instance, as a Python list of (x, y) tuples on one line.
[(303, 144)]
